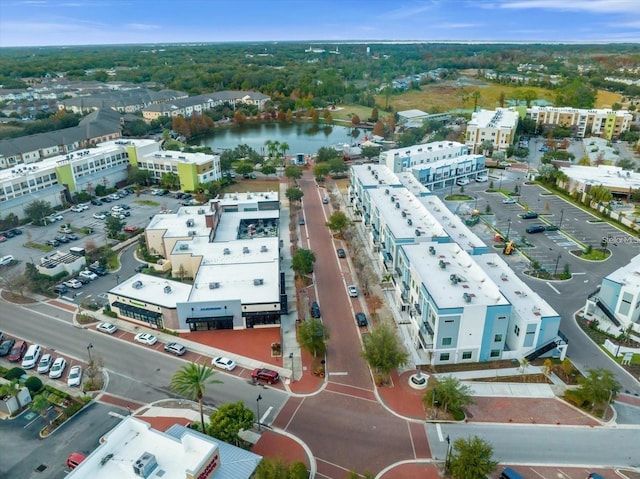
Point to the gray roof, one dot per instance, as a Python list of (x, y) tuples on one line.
[(123, 98), (224, 96), (235, 463)]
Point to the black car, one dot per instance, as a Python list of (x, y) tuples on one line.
[(179, 196), (140, 267), (361, 319), (106, 199), (341, 253), (8, 234), (62, 239), (99, 270), (6, 346), (72, 236), (315, 309), (529, 215), (125, 207), (96, 202), (83, 280), (187, 196), (16, 231), (536, 229)]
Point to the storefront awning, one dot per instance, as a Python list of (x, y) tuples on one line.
[(134, 309), (209, 319)]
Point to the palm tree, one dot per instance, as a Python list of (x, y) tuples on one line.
[(191, 380), (40, 404), (284, 147)]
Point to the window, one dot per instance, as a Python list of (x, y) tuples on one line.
[(497, 338), (444, 357), (446, 341), (495, 353), (466, 355)]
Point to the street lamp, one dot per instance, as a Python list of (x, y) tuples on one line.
[(557, 261), (258, 399), (89, 348), (500, 184), (292, 375), (475, 206), (561, 216), (508, 228), (446, 459), (117, 279)]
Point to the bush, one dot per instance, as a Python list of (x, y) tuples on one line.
[(14, 373), (574, 398), (111, 314), (33, 384)]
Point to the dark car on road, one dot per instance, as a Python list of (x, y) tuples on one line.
[(315, 309), (97, 269), (341, 253), (265, 375), (529, 215), (361, 319), (6, 345), (96, 202), (535, 229)]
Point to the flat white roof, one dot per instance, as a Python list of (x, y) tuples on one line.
[(130, 439), (499, 118), (230, 221), (152, 290), (247, 197), (628, 275), (605, 175), (412, 113), (410, 182), (181, 157), (447, 162), (437, 280), (372, 175), (526, 302), (176, 223), (398, 207)]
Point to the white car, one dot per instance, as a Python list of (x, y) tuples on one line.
[(30, 359), (99, 216), (107, 328), (58, 368), (84, 206), (77, 208), (146, 338), (117, 209), (223, 363), (75, 376), (353, 291), (509, 201), (6, 260), (45, 364), (88, 274), (114, 196), (73, 283), (482, 179), (462, 182), (156, 192)]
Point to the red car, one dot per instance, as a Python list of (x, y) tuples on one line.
[(74, 459), (17, 351), (265, 375), (130, 229)]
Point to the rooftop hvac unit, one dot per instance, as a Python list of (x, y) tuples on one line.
[(418, 232), (386, 192), (137, 284), (182, 157), (226, 251), (409, 221), (184, 247), (264, 249), (442, 264), (393, 198), (190, 223), (398, 205), (214, 285), (144, 465), (368, 167), (258, 281), (432, 250), (466, 297), (454, 279), (404, 214), (245, 249), (192, 233), (167, 289), (201, 211)]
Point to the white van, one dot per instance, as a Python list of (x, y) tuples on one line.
[(31, 357), (77, 251)]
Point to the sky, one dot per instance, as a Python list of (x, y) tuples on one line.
[(99, 22)]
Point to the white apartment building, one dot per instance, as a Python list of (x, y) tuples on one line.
[(604, 123), (495, 126)]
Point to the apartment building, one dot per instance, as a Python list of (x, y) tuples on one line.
[(231, 250), (192, 168), (609, 124), (123, 101), (494, 126), (200, 103), (458, 302)]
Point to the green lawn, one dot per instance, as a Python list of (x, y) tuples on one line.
[(346, 112)]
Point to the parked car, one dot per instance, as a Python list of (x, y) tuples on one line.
[(3, 238), (146, 338), (57, 370), (353, 291), (156, 192), (266, 375), (114, 196), (341, 253), (73, 283), (509, 201), (130, 229), (88, 274), (7, 234), (6, 260), (97, 269), (99, 216), (482, 179), (325, 200), (60, 289), (6, 346), (74, 460), (462, 182), (75, 376), (31, 357), (83, 280), (116, 209), (125, 207), (175, 348), (301, 221), (140, 267), (61, 239), (361, 319), (529, 215), (223, 363), (536, 229), (77, 209), (46, 361), (96, 202), (72, 236), (106, 199), (315, 309), (17, 351), (53, 243), (106, 328)]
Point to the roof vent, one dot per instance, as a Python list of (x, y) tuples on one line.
[(245, 249), (432, 250), (386, 192), (190, 223), (258, 281), (409, 221), (398, 205), (214, 285), (201, 211), (404, 214), (167, 289), (227, 251), (466, 297), (192, 233), (442, 264), (184, 247), (137, 284), (418, 232), (264, 249), (454, 279)]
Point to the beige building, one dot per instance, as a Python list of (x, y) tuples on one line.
[(608, 124), (495, 126)]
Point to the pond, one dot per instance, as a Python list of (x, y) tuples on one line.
[(304, 138)]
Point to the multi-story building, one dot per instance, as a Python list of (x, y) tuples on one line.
[(192, 168), (493, 126), (458, 302), (231, 250), (617, 299), (200, 103), (581, 178), (123, 101), (608, 124)]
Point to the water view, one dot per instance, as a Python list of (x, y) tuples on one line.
[(301, 137)]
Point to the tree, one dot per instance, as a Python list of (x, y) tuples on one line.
[(191, 381), (598, 387), (37, 210), (450, 394), (284, 147), (113, 226), (40, 404), (476, 98), (471, 459), (278, 469), (302, 261), (170, 180), (383, 351), (294, 194), (244, 168), (338, 165), (326, 153), (320, 170), (378, 129), (374, 115), (338, 221), (355, 120), (313, 337), (268, 169), (370, 151), (293, 172), (229, 420)]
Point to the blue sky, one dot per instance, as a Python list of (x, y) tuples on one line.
[(81, 22)]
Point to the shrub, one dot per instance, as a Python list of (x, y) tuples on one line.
[(111, 314), (33, 384), (574, 398), (14, 373)]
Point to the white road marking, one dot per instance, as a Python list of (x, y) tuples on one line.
[(339, 374), (551, 286), (439, 431)]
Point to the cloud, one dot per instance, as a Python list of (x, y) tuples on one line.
[(142, 26), (592, 6)]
